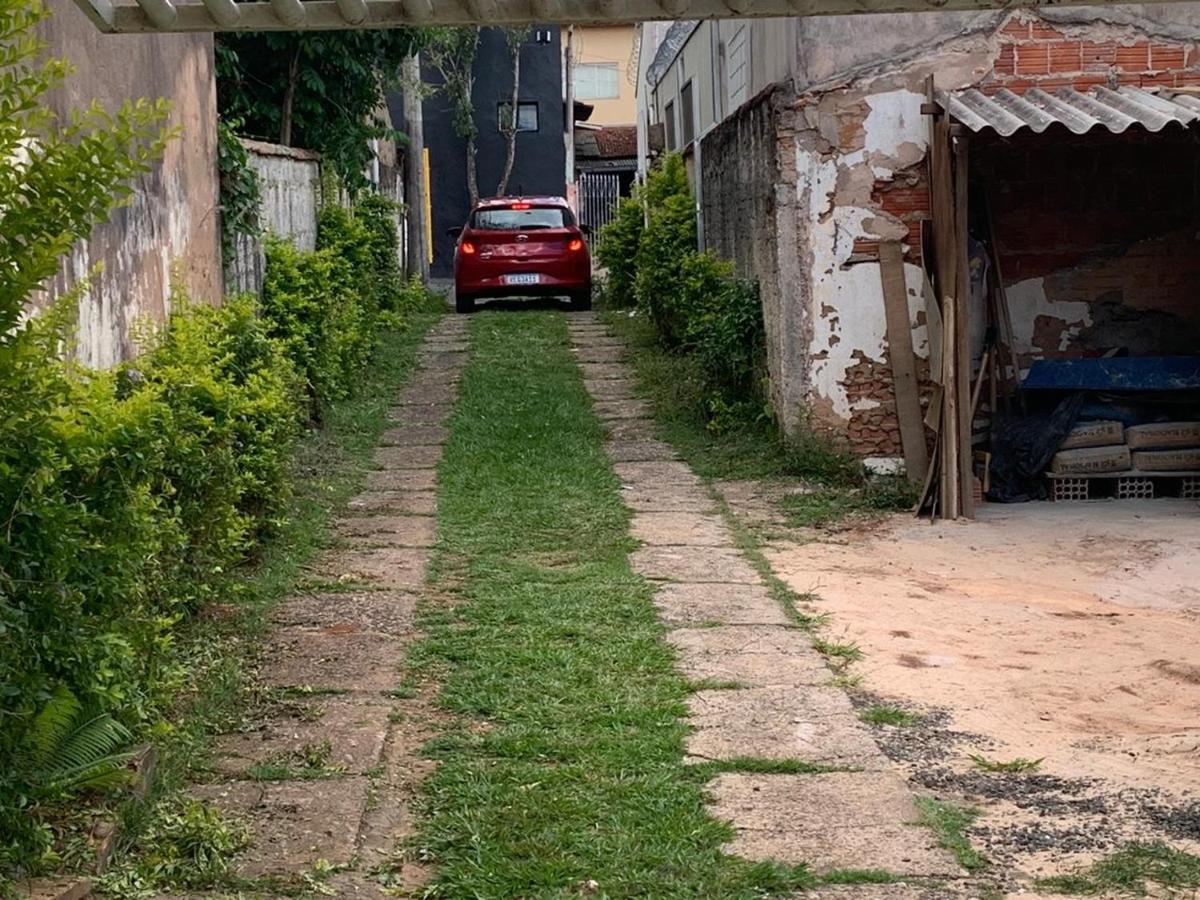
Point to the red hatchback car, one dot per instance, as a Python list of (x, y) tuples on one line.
[(522, 247)]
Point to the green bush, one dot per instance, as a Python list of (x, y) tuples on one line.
[(669, 237), (377, 214), (125, 494), (616, 251)]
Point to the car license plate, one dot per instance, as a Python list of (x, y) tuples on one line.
[(521, 279)]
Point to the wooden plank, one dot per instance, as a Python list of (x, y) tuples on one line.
[(962, 383), (903, 362), (933, 329)]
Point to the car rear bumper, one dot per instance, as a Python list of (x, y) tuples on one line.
[(547, 286)]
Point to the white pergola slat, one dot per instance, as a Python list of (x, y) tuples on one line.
[(142, 16)]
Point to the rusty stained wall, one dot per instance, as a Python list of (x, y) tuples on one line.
[(169, 231), (749, 217), (862, 177)]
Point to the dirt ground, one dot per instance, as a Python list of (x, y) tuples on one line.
[(1068, 633)]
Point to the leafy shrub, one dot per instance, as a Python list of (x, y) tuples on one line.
[(616, 251), (669, 237), (241, 193), (377, 214)]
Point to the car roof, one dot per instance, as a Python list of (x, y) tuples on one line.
[(501, 202)]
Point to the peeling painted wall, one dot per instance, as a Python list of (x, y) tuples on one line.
[(1103, 252), (169, 231)]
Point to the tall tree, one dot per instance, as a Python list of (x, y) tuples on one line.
[(510, 117), (451, 52), (319, 90)]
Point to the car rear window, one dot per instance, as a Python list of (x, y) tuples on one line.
[(522, 218)]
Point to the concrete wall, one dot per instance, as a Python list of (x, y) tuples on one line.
[(748, 195), (290, 183), (609, 44), (169, 231)]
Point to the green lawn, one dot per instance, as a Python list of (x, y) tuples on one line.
[(566, 766)]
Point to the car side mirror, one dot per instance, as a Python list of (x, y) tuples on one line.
[(454, 232), (586, 229)]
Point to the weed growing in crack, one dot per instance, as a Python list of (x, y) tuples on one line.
[(1131, 870), (950, 823), (885, 714), (840, 654), (1013, 766)]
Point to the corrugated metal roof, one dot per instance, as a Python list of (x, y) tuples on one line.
[(1116, 110)]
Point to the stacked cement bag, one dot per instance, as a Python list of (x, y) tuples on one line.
[(1093, 448), (1165, 446), (1098, 448)]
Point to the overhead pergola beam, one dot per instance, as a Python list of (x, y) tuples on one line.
[(142, 16)]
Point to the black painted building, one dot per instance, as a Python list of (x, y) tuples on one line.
[(540, 165)]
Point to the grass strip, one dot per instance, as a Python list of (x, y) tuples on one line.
[(566, 774), (1134, 870)]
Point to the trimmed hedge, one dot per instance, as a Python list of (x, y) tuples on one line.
[(127, 495)]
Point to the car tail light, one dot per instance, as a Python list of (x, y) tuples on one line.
[(520, 206), (575, 246), (467, 248)]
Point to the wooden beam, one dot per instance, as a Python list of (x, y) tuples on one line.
[(259, 15), (903, 361), (353, 11), (962, 292), (161, 12), (224, 12), (99, 11), (292, 13), (419, 11)]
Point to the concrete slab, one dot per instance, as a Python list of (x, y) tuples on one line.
[(665, 472), (393, 531), (383, 567), (294, 823), (721, 565), (609, 389), (355, 730), (407, 457), (427, 394), (898, 891), (385, 612), (722, 604), (402, 503), (665, 529), (428, 414), (752, 655), (603, 371), (402, 480), (330, 660), (624, 430), (599, 354), (862, 820), (814, 724), (666, 498), (415, 436), (622, 409), (639, 450)]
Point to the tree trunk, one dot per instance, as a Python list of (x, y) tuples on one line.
[(289, 99), (472, 178), (514, 118), (417, 258)]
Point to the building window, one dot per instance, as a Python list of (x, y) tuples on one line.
[(687, 114), (597, 81), (527, 116), (669, 118)]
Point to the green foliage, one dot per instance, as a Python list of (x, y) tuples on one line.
[(378, 215), (1136, 869), (950, 823), (58, 179), (1016, 766), (240, 193), (320, 90), (667, 241), (616, 250), (188, 845), (886, 714)]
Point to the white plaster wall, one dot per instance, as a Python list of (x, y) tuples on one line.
[(847, 300), (291, 191)]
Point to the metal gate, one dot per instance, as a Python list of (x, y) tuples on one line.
[(599, 193)]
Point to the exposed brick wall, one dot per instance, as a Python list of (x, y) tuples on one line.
[(1034, 53), (904, 195)]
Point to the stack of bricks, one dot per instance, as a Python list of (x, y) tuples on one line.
[(1034, 53)]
